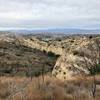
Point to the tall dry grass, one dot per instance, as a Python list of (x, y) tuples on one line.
[(18, 88)]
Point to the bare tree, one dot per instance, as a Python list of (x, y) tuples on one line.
[(43, 72), (91, 62)]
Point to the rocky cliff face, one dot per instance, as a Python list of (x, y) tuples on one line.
[(71, 62)]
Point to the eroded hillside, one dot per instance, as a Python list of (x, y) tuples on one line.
[(17, 59), (77, 53), (71, 62)]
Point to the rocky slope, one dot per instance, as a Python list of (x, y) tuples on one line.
[(18, 59), (71, 62), (77, 53)]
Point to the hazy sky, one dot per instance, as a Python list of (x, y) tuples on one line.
[(50, 13)]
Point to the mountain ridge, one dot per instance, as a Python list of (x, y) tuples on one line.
[(55, 30)]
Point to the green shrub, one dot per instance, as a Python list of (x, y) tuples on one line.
[(50, 54), (95, 70), (75, 52)]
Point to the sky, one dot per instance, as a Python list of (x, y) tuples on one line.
[(41, 14)]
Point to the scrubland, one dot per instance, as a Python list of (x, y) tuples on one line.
[(27, 65), (47, 88)]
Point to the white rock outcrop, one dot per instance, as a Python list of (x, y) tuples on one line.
[(71, 61)]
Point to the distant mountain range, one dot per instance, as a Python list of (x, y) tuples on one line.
[(57, 30)]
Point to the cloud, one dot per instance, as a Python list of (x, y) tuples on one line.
[(50, 13)]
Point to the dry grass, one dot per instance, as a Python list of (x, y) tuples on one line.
[(18, 88)]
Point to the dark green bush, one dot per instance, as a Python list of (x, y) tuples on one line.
[(75, 52), (50, 54), (95, 70)]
